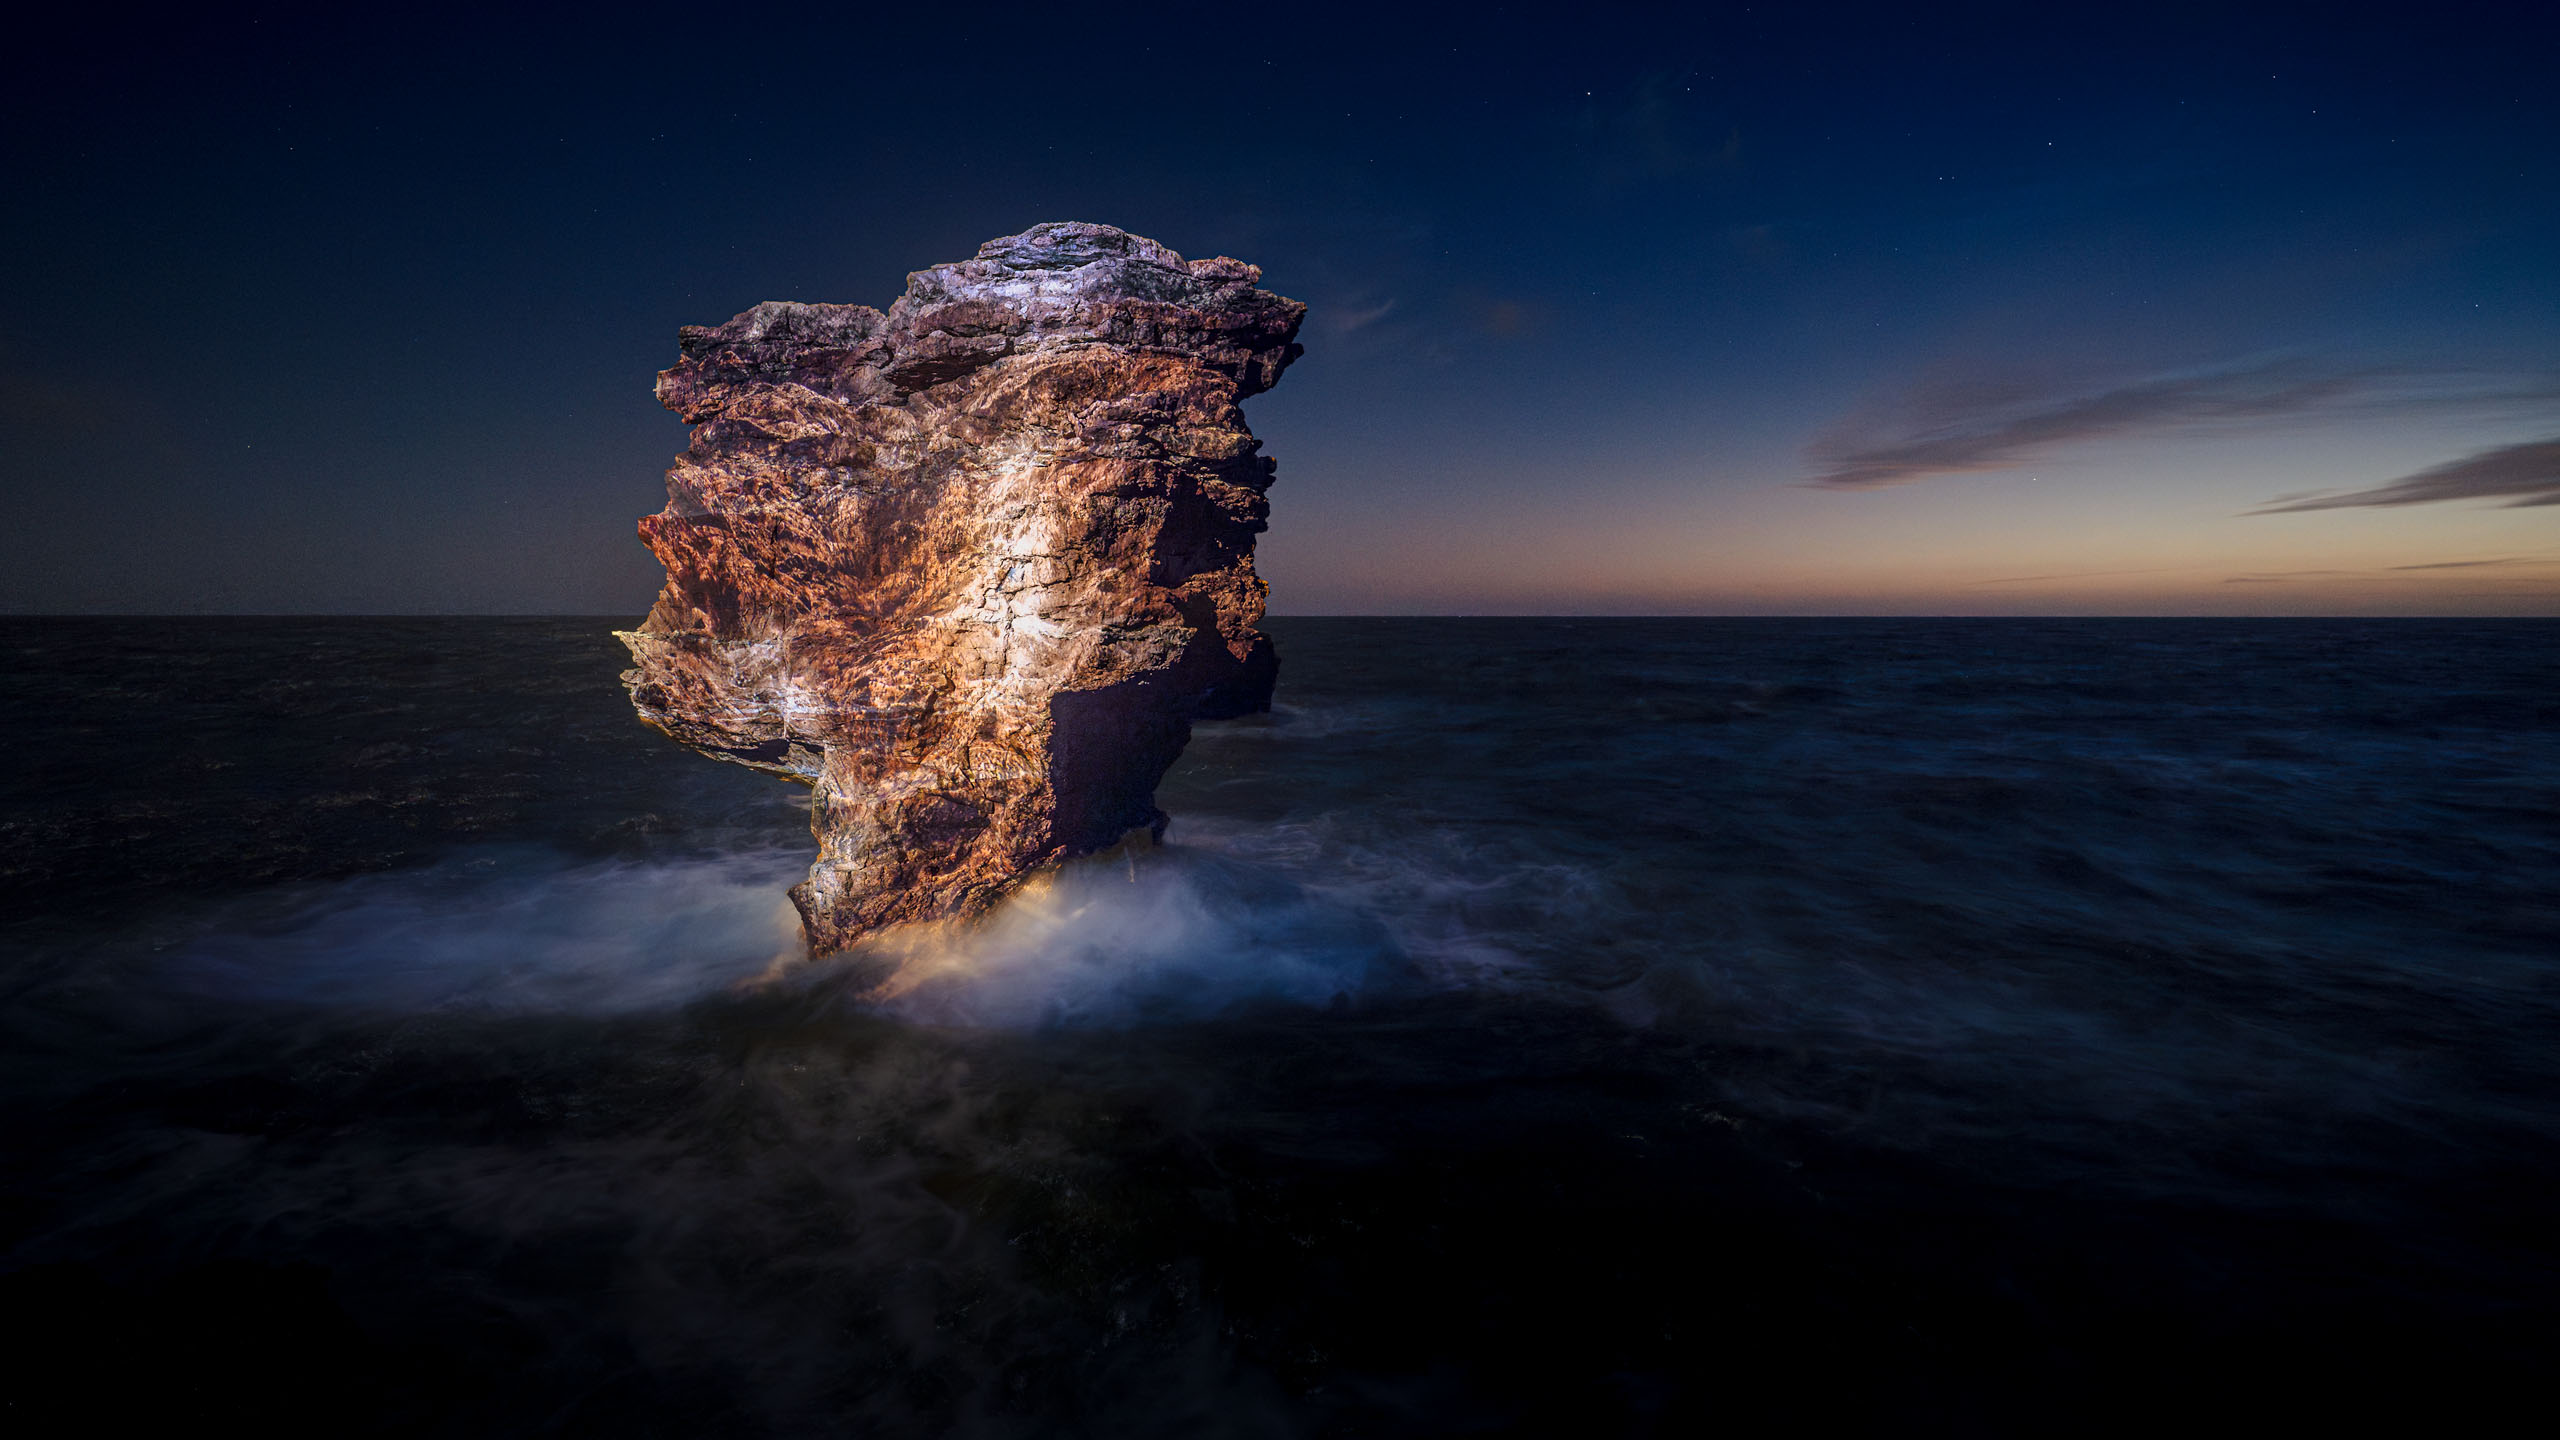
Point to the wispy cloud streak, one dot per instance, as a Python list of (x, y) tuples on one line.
[(2530, 473), (2082, 575), (1969, 434)]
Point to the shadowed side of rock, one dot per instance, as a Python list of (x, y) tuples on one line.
[(970, 568)]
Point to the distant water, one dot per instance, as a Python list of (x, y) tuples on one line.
[(1533, 1027)]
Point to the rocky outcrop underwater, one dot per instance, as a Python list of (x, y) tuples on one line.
[(972, 567)]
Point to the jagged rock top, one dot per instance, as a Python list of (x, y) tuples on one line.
[(1054, 286)]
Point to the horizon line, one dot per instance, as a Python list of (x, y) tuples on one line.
[(626, 623)]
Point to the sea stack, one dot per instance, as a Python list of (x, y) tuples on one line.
[(971, 568)]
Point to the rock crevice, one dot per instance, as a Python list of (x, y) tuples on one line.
[(969, 568)]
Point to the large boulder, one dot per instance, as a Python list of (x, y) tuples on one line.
[(971, 568)]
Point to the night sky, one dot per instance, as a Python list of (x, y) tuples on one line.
[(2056, 309)]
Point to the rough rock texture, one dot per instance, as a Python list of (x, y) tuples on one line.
[(970, 568)]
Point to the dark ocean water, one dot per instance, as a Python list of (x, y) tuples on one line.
[(1534, 1027)]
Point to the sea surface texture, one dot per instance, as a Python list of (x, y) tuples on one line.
[(1537, 1027)]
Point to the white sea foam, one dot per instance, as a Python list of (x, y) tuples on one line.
[(1293, 913), (1302, 912), (1136, 935), (510, 930)]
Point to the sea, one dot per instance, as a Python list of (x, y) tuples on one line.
[(1540, 1027)]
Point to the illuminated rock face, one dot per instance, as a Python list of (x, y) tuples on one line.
[(970, 568)]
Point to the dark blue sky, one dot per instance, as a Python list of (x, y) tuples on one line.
[(1741, 308)]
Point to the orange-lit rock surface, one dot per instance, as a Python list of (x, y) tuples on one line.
[(970, 568)]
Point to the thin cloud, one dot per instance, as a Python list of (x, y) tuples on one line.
[(1967, 433), (2082, 575), (1352, 321), (2530, 473), (2391, 574)]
